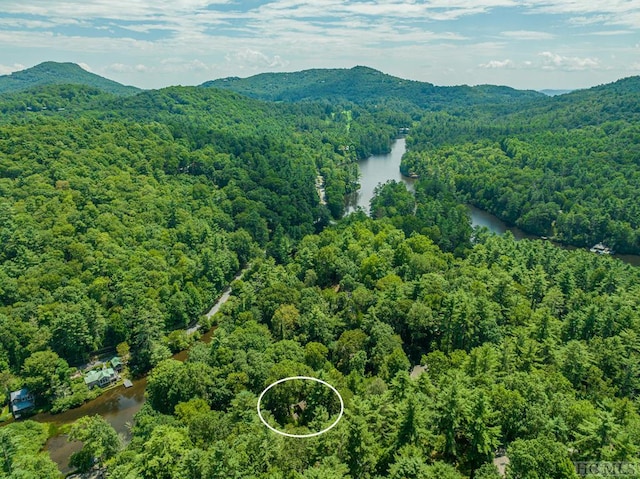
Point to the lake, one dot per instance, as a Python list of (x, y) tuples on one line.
[(118, 406), (380, 168)]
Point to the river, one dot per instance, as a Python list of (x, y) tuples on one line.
[(117, 405), (380, 168)]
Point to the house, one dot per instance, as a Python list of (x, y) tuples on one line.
[(116, 363), (21, 402), (298, 409), (100, 377), (501, 461), (600, 249)]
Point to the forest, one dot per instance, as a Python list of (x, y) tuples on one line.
[(524, 345), (55, 73), (566, 169), (122, 218), (378, 91), (118, 229)]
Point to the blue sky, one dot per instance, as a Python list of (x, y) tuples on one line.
[(154, 43)]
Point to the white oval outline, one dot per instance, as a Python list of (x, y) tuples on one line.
[(301, 436)]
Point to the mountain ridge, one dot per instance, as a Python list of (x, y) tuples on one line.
[(56, 73), (365, 85)]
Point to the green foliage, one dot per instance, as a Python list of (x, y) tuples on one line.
[(509, 343), (100, 441), (20, 452), (122, 219), (44, 373), (539, 458), (562, 167), (367, 86)]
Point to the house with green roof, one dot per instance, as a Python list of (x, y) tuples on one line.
[(116, 363), (100, 377)]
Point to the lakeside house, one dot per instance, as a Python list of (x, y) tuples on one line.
[(100, 377), (116, 364), (21, 402), (599, 248)]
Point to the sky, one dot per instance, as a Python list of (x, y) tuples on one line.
[(527, 44)]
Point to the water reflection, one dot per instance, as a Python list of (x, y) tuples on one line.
[(118, 406), (375, 170), (380, 168)]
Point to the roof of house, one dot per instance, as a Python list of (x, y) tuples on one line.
[(19, 395), (116, 361), (98, 374), (21, 400)]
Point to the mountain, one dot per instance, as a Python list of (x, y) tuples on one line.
[(615, 101), (364, 85), (53, 73)]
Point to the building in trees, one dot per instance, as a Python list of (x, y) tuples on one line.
[(21, 402), (102, 377)]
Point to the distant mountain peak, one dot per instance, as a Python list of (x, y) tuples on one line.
[(59, 73)]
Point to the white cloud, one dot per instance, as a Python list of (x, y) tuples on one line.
[(611, 32), (255, 59), (24, 23), (166, 65), (109, 9), (498, 64), (590, 20), (84, 66), (527, 35), (123, 68), (177, 65), (75, 43), (7, 69), (614, 12), (158, 42), (553, 61)]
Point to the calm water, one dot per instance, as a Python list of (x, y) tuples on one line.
[(379, 168), (117, 406)]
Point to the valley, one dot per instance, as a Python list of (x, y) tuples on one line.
[(123, 213)]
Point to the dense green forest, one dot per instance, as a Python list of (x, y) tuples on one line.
[(120, 224), (566, 168), (524, 345), (366, 86), (122, 218)]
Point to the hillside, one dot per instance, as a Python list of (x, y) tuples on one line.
[(53, 73), (566, 167), (365, 85), (123, 218), (203, 168)]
